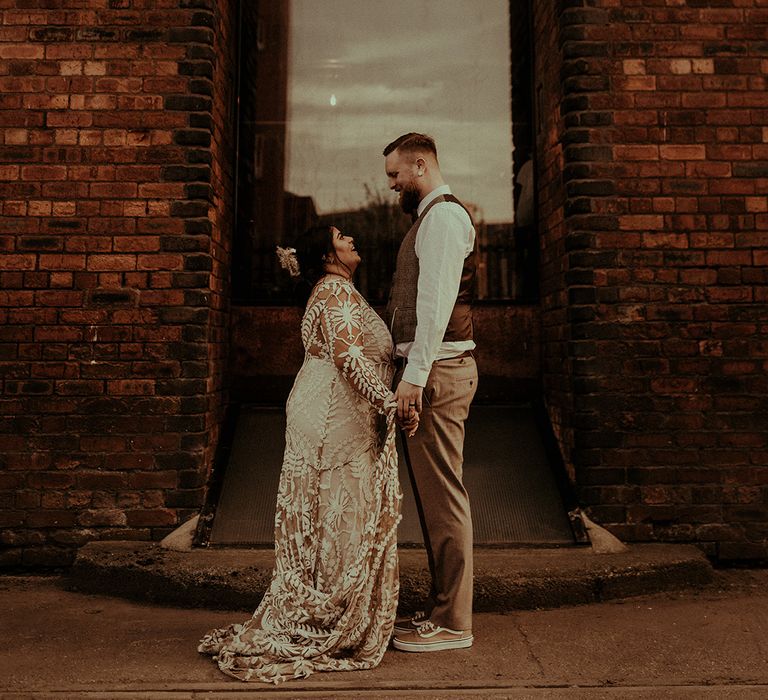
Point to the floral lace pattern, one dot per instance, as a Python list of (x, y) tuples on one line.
[(332, 600)]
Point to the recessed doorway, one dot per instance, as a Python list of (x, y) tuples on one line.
[(322, 87)]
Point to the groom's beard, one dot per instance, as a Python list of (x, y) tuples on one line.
[(409, 199)]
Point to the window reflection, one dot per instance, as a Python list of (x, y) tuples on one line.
[(324, 86)]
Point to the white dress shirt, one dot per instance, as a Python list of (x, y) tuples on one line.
[(444, 239)]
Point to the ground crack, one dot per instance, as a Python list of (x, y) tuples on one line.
[(529, 648)]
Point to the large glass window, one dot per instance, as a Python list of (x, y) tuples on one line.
[(324, 86)]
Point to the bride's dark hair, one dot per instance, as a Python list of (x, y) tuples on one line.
[(314, 248)]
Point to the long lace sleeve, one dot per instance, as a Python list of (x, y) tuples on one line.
[(341, 321)]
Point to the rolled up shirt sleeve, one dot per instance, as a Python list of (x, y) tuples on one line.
[(444, 240)]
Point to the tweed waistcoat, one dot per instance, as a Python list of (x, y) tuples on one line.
[(401, 307)]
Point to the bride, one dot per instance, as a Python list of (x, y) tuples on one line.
[(333, 596)]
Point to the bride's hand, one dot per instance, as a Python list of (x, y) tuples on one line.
[(411, 425)]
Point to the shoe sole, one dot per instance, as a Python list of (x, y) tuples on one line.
[(442, 645)]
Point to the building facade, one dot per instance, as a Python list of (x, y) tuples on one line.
[(120, 347)]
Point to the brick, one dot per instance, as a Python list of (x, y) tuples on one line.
[(641, 222), (20, 262), (21, 51), (79, 387), (135, 387), (160, 262), (150, 518), (681, 66), (102, 517), (697, 152), (111, 262), (50, 518), (114, 190), (636, 152), (137, 244), (154, 480)]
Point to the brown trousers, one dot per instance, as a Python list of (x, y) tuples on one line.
[(435, 463)]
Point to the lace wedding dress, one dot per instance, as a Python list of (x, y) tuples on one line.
[(331, 604)]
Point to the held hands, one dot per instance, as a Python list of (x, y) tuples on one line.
[(410, 425), (408, 397)]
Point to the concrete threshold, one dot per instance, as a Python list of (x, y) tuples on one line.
[(505, 579)]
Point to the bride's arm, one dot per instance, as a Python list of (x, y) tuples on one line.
[(341, 321)]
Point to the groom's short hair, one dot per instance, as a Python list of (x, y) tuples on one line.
[(412, 143)]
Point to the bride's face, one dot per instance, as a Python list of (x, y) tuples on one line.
[(344, 249)]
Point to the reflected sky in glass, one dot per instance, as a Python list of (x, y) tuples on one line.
[(363, 72)]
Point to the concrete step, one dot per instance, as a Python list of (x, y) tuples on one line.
[(505, 579)]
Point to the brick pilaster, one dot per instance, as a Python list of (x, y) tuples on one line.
[(664, 167), (114, 267)]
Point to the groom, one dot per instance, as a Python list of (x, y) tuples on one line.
[(431, 322)]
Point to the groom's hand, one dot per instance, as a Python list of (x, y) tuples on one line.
[(408, 397)]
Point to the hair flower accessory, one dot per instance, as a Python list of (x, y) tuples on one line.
[(288, 260)]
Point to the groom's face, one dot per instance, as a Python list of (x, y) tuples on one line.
[(401, 174)]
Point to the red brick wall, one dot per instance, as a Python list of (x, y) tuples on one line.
[(115, 191), (665, 110), (111, 291), (222, 215), (548, 133)]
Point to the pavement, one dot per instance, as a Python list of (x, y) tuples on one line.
[(703, 642)]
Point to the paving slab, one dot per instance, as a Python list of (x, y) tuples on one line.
[(705, 643)]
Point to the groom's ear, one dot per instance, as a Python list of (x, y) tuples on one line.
[(421, 165)]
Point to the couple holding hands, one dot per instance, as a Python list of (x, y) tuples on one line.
[(332, 600)]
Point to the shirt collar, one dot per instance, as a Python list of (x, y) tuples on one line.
[(434, 194)]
